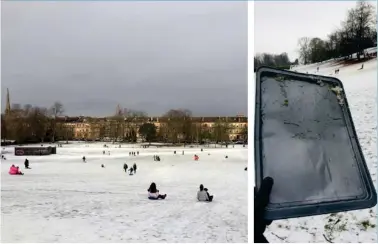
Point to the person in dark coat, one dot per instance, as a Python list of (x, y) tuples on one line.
[(125, 167), (208, 194), (154, 193), (102, 166), (84, 159), (26, 163), (135, 168), (131, 171)]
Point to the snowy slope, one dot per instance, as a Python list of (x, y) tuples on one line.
[(62, 199), (355, 226)]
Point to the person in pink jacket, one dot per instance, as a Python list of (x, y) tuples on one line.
[(15, 170)]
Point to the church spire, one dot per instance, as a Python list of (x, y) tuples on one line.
[(7, 106)]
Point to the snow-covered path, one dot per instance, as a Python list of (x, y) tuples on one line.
[(355, 226), (62, 199)]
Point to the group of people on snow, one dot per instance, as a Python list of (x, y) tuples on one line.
[(202, 195), (131, 170), (153, 192), (15, 170)]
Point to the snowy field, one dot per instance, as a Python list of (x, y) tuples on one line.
[(355, 226), (62, 199)]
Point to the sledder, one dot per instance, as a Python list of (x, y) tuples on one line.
[(153, 193), (15, 170)]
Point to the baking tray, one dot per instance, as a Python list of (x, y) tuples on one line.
[(306, 141)]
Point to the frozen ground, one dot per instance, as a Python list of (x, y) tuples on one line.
[(62, 199), (355, 226)]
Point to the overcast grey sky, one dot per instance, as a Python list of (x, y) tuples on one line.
[(151, 56), (279, 25)]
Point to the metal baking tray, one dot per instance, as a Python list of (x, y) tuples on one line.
[(306, 141)]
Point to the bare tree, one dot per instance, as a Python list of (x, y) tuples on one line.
[(178, 124), (304, 49), (56, 110), (365, 20)]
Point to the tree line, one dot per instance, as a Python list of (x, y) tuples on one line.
[(32, 124), (176, 126), (357, 33), (273, 60)]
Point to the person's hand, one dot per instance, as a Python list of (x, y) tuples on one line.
[(261, 201)]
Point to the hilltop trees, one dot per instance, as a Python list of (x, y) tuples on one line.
[(272, 60), (356, 33)]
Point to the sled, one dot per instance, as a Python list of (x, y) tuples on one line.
[(306, 141)]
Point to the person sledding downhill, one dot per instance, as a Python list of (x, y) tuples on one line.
[(153, 193), (203, 195), (15, 170)]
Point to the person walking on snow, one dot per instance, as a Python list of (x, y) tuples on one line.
[(26, 163), (135, 168)]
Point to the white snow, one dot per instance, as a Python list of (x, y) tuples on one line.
[(62, 199), (354, 226)]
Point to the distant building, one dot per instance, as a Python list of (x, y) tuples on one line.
[(85, 128)]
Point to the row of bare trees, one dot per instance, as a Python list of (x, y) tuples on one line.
[(175, 126), (357, 33), (179, 127), (29, 124)]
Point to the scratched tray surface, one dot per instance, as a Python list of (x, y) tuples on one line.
[(307, 144)]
